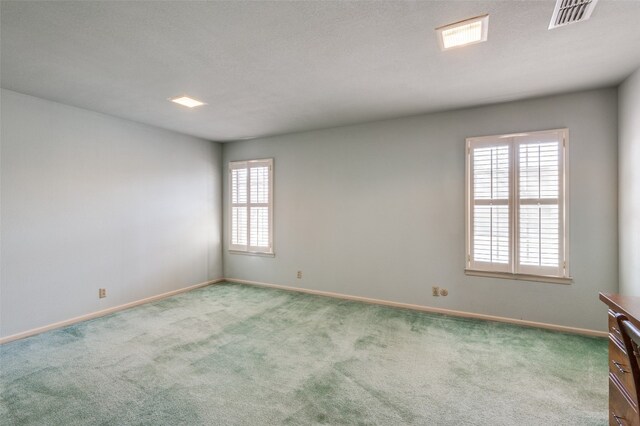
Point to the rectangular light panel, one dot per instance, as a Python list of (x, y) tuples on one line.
[(187, 101), (463, 33)]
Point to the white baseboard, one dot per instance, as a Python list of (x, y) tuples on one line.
[(422, 308), (463, 314), (103, 312)]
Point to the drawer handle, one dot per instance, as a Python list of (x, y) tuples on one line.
[(615, 330), (619, 367), (618, 419)]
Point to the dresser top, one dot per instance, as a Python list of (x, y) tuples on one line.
[(627, 305)]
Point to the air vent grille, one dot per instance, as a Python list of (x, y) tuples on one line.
[(570, 11)]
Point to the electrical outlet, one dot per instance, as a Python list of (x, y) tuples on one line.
[(435, 291), (444, 292), (299, 275), (102, 293)]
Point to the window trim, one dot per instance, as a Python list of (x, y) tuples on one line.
[(512, 271), (247, 249), (519, 277)]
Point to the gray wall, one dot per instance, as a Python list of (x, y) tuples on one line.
[(91, 201), (629, 181), (374, 210), (377, 210)]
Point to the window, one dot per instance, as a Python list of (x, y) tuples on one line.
[(251, 190), (516, 205)]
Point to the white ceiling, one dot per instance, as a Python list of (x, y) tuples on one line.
[(268, 68)]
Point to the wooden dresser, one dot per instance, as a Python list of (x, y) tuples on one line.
[(623, 403)]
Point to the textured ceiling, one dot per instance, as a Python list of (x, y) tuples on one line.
[(267, 68)]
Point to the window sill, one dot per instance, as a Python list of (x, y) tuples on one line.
[(520, 277), (252, 253)]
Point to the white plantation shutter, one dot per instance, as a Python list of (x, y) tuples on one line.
[(490, 208), (515, 204), (540, 240), (259, 226), (251, 190), (239, 207)]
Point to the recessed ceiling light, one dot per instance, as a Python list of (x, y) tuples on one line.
[(187, 101), (463, 33)]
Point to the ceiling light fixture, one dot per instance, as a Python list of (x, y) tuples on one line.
[(187, 101), (463, 33)]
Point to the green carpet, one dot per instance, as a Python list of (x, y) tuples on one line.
[(232, 354)]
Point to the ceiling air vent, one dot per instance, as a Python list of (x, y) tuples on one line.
[(569, 11)]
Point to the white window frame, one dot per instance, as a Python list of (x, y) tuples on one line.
[(248, 249), (512, 269)]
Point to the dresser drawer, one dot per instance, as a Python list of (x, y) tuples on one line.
[(620, 368), (613, 327), (621, 411)]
